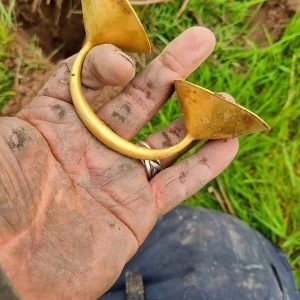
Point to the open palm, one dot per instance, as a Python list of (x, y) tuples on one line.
[(73, 212)]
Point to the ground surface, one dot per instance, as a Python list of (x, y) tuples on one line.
[(257, 60)]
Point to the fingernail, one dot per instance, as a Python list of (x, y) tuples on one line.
[(128, 58)]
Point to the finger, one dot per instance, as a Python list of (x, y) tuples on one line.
[(172, 135), (175, 184), (105, 65), (227, 96), (128, 112)]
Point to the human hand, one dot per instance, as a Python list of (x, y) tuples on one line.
[(73, 212)]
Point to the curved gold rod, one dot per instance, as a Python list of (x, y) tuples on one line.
[(101, 131)]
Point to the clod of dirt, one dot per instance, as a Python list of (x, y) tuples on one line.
[(273, 18), (134, 285)]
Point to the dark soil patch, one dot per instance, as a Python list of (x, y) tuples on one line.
[(272, 18), (58, 25)]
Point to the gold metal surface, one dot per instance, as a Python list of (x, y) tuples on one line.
[(101, 131), (206, 115), (114, 22)]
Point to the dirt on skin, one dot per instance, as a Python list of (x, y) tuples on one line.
[(59, 28)]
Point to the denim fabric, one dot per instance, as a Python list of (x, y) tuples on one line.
[(199, 254)]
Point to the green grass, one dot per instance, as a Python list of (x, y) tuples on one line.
[(263, 183), (6, 38)]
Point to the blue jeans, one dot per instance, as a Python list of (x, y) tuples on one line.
[(200, 254)]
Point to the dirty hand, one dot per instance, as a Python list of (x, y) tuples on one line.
[(73, 212)]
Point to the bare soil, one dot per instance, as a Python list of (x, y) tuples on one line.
[(31, 70), (58, 25), (272, 18)]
